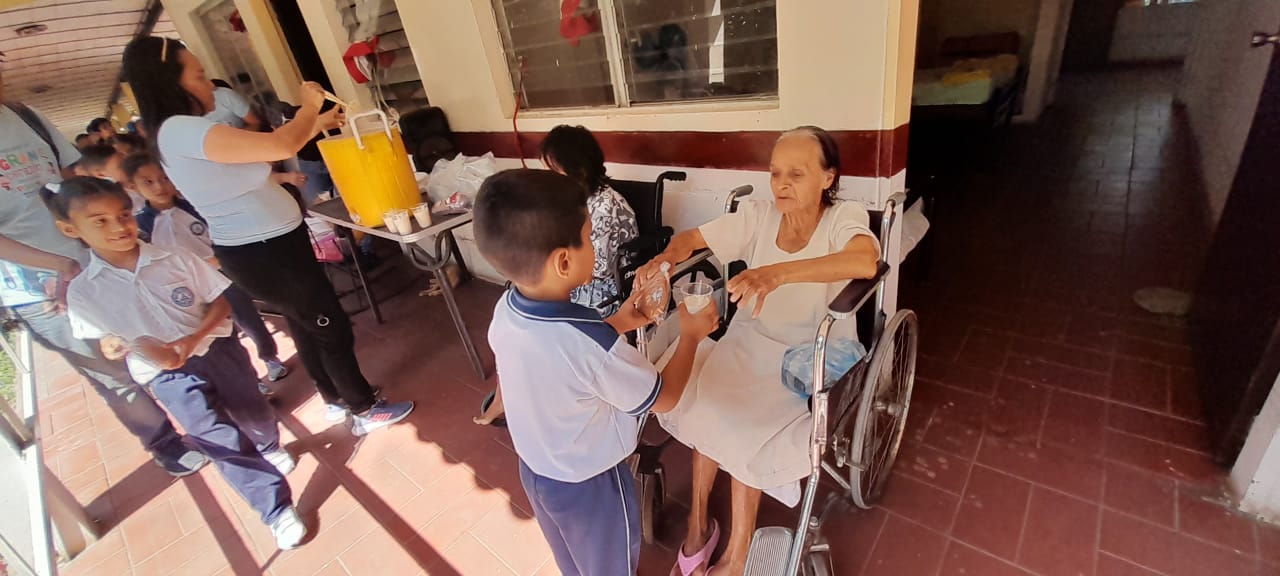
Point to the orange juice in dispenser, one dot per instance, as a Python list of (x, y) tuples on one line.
[(371, 170)]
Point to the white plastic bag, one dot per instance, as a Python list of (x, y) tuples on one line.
[(463, 174)]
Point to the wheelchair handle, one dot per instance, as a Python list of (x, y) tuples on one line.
[(731, 203), (673, 175), (889, 217)]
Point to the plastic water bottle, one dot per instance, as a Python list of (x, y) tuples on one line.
[(797, 364)]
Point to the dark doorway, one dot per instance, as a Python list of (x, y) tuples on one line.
[(1089, 34), (298, 37), (1236, 317)]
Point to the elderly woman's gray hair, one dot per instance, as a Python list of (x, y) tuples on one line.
[(830, 159)]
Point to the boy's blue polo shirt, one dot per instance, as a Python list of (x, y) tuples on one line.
[(572, 387)]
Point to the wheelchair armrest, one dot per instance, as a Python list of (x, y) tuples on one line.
[(856, 292), (685, 267)]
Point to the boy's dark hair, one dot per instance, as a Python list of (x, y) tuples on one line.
[(522, 216), (575, 151), (96, 124), (96, 156), (132, 140), (135, 162), (79, 189), (80, 137)]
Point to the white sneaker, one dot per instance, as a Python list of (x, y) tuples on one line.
[(276, 370), (265, 391), (282, 460), (381, 415), (335, 412), (288, 530)]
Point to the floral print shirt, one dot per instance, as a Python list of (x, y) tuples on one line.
[(613, 223)]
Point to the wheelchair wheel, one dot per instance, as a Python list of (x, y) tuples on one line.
[(882, 408)]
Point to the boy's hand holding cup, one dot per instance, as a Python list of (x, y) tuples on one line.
[(700, 324)]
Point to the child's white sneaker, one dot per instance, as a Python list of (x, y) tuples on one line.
[(265, 391), (282, 460), (381, 415), (288, 530), (335, 412)]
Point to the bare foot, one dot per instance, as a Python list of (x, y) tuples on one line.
[(484, 420)]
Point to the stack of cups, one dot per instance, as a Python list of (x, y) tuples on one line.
[(397, 222)]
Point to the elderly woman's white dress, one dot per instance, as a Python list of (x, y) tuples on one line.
[(735, 409)]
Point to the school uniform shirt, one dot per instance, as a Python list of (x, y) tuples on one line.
[(27, 164), (230, 108), (573, 388), (179, 225), (165, 298), (240, 202)]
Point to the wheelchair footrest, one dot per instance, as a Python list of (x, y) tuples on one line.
[(769, 549)]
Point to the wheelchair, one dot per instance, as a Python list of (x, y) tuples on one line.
[(858, 421)]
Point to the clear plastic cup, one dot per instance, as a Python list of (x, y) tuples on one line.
[(695, 295), (397, 221), (422, 213)]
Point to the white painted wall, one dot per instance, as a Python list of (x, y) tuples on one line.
[(1256, 476), (1222, 80), (1045, 60), (1160, 33)]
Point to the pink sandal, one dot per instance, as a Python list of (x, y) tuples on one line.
[(687, 565)]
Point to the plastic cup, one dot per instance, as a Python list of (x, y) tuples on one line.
[(422, 213), (397, 221), (695, 295)]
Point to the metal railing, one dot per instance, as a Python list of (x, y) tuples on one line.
[(59, 525)]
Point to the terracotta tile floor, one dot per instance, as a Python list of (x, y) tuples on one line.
[(1054, 428)]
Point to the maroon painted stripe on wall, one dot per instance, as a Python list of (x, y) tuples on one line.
[(865, 153)]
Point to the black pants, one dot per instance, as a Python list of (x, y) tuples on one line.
[(283, 272)]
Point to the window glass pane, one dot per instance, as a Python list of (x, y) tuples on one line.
[(564, 60), (693, 49)]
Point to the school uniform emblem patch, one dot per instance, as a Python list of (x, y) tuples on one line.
[(198, 228), (182, 297)]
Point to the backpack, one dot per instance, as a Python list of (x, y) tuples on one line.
[(33, 122), (427, 137)]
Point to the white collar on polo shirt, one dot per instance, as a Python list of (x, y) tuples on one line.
[(146, 254)]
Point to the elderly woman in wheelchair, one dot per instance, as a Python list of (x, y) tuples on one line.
[(801, 252)]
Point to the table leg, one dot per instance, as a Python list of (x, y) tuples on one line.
[(437, 266), (364, 284), (463, 272), (446, 289)]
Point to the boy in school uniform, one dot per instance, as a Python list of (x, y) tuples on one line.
[(575, 390), (167, 220), (164, 311)]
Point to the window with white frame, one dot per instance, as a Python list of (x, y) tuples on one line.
[(618, 53)]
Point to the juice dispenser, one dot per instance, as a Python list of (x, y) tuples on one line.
[(371, 170)]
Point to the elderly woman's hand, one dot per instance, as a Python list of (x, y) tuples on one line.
[(755, 283)]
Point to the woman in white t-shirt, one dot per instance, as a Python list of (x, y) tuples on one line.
[(255, 225), (800, 250)]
